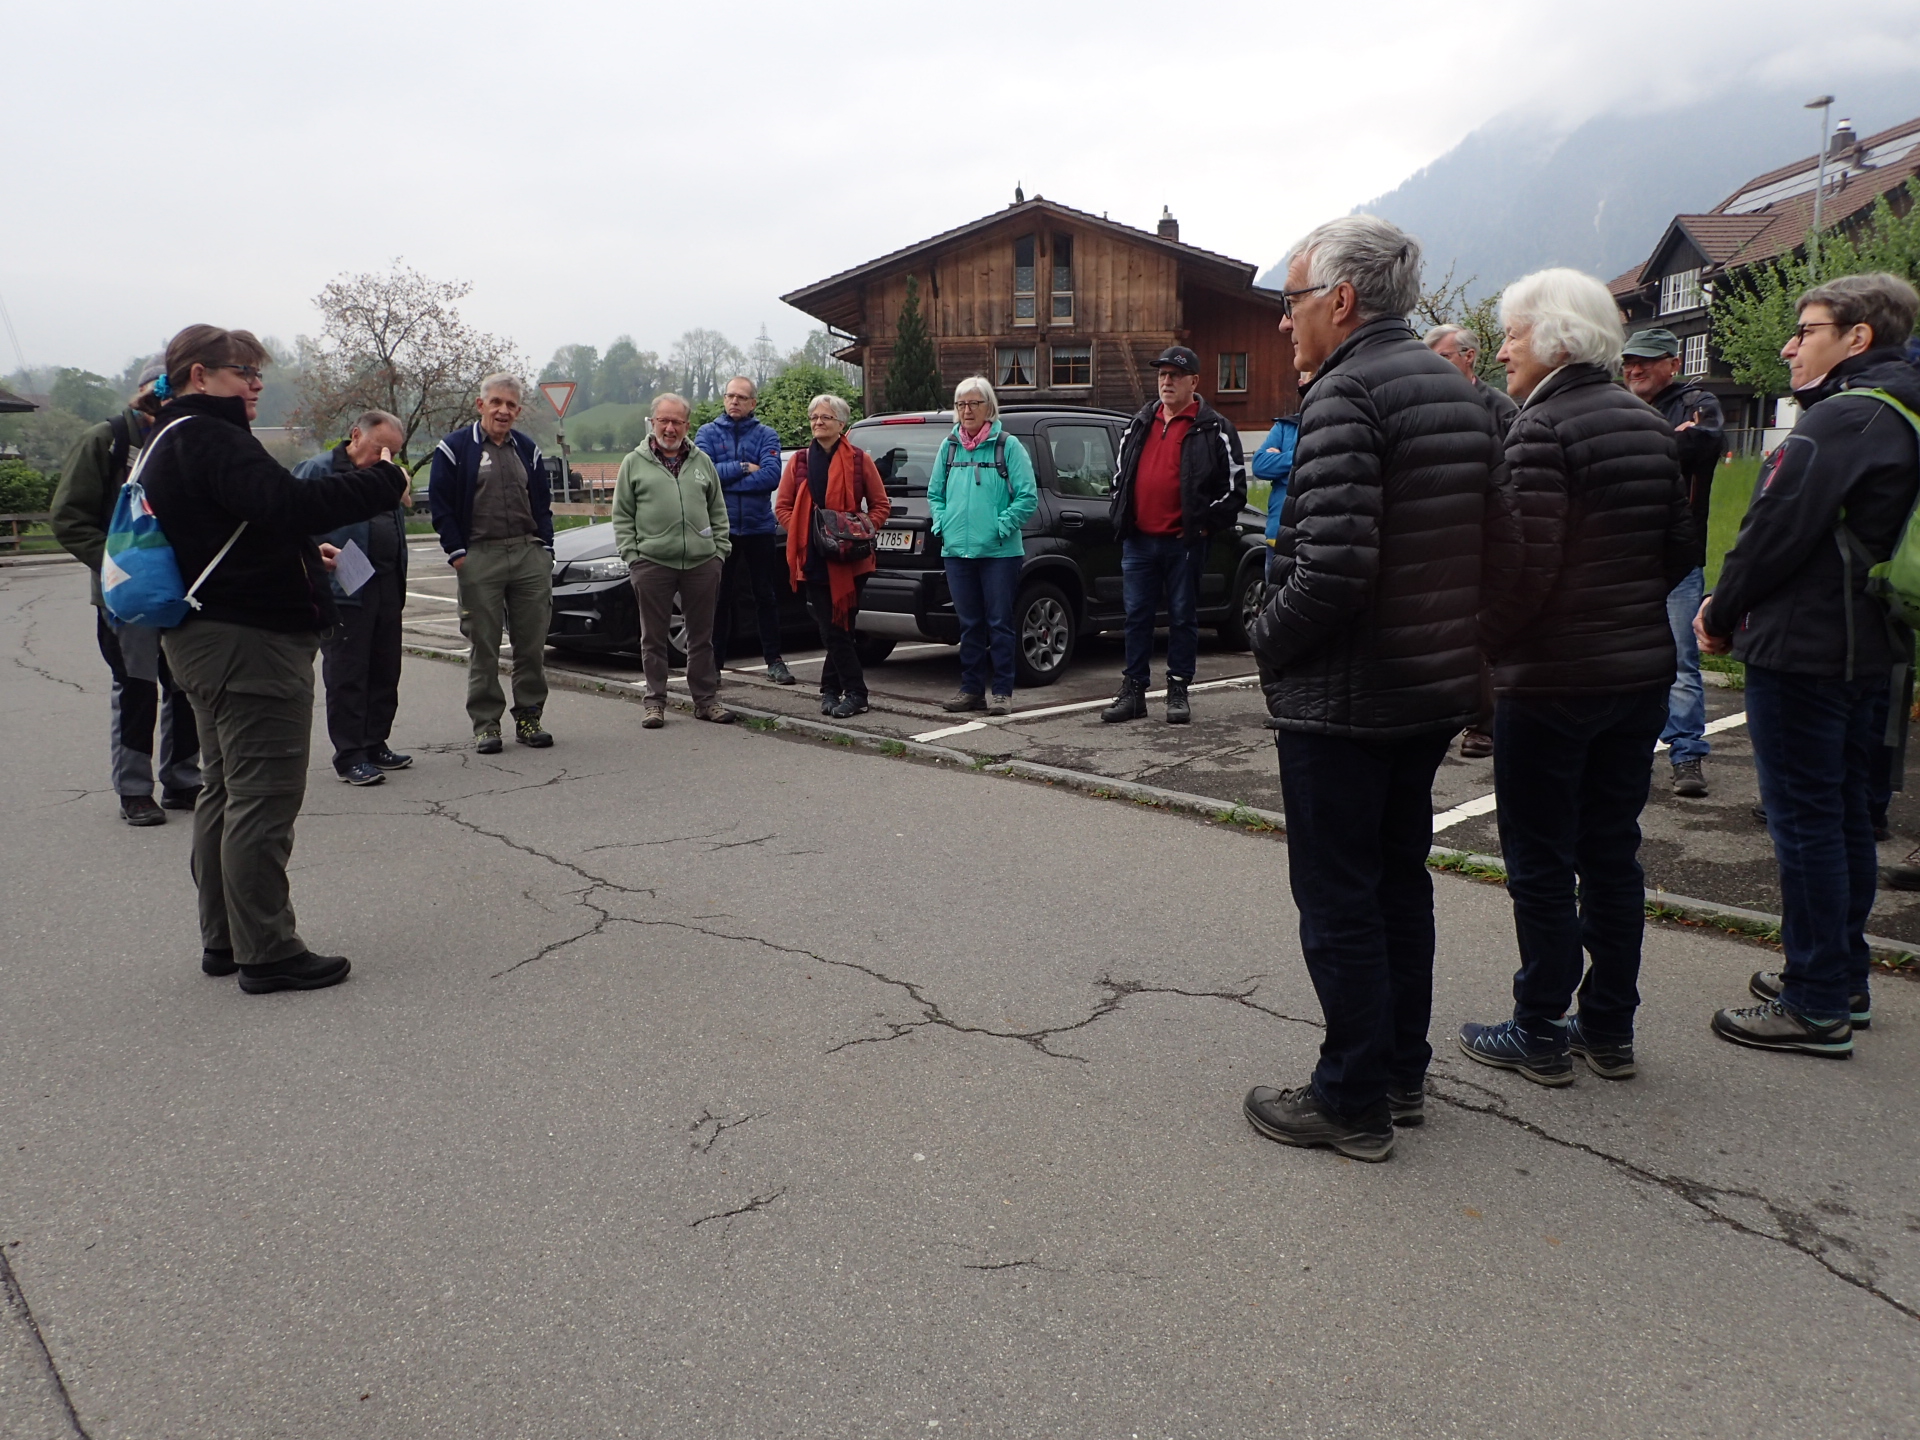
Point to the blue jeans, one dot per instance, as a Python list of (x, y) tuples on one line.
[(1570, 774), (1152, 565), (982, 593), (1359, 825), (1813, 744), (1686, 729)]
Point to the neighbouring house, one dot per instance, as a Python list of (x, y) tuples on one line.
[(1114, 298), (1765, 219)]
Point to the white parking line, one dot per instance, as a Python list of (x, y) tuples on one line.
[(422, 595), (1050, 710)]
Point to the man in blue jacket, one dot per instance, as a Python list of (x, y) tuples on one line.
[(494, 511), (747, 455)]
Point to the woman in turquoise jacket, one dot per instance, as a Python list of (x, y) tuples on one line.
[(981, 493)]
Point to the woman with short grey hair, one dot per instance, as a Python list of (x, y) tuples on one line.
[(1582, 661)]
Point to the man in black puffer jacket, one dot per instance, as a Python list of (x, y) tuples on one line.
[(1825, 661), (1369, 652), (1582, 662), (245, 656)]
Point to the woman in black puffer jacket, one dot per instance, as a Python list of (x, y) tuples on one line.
[(1582, 660)]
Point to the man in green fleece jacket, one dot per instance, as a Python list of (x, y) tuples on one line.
[(670, 522)]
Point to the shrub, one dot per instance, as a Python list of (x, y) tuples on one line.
[(23, 489)]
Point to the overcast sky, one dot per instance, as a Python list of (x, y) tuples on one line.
[(596, 167)]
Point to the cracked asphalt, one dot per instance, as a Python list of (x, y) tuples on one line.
[(710, 1082)]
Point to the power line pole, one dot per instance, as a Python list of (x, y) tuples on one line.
[(1824, 104)]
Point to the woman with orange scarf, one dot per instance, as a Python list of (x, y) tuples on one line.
[(834, 474)]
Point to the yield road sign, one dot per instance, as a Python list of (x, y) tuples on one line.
[(559, 394)]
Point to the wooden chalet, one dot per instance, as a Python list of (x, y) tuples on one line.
[(1765, 219), (1115, 297)]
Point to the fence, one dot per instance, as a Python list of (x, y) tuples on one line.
[(14, 522)]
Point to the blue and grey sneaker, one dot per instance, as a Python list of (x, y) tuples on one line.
[(1507, 1046), (1609, 1059), (1773, 1026), (1767, 985)]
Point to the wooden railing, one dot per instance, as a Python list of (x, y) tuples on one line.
[(14, 522)]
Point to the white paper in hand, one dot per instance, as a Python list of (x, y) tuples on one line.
[(351, 568)]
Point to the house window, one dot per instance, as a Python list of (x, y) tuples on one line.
[(1694, 361), (1024, 312), (1063, 285), (1072, 364), (1013, 367), (1233, 371), (1680, 291)]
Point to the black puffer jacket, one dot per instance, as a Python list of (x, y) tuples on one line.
[(1213, 474), (1399, 494), (208, 473), (1607, 533), (1787, 589)]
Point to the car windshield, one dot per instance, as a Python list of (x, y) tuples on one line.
[(904, 454)]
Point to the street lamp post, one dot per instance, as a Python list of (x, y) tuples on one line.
[(1824, 104)]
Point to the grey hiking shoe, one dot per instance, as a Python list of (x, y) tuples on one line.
[(1767, 985), (486, 740), (1772, 1026), (1000, 705), (963, 701), (1299, 1117)]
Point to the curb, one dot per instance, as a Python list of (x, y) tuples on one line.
[(1142, 794)]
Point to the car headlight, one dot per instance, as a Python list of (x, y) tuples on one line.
[(579, 572)]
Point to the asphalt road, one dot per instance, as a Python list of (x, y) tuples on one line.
[(710, 1082)]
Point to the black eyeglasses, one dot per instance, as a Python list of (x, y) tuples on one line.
[(1286, 296), (247, 372), (1800, 330)]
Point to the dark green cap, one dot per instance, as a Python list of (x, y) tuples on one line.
[(1652, 345)]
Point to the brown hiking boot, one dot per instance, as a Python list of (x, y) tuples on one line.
[(714, 713), (653, 713)]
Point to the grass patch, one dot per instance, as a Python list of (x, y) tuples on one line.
[(981, 762), (1246, 819), (760, 722), (845, 741), (1467, 866), (893, 747), (1732, 492), (1735, 672)]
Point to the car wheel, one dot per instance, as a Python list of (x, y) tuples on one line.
[(677, 636), (872, 649), (1249, 597), (1044, 633)]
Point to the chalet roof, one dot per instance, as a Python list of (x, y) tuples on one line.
[(11, 403), (1237, 274), (1770, 215)]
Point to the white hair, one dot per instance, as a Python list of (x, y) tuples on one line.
[(1376, 257), (977, 385), (1570, 318), (502, 381), (1468, 341), (841, 410), (653, 410)]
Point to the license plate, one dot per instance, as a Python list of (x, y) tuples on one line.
[(893, 540)]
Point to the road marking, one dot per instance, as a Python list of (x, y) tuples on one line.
[(1486, 804), (422, 595), (1051, 710), (821, 659), (965, 729)]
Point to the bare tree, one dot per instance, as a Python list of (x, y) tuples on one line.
[(704, 359), (395, 342), (1447, 304)]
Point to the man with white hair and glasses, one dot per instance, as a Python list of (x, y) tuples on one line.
[(1398, 512)]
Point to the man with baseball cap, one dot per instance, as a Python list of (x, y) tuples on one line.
[(1652, 364), (1180, 480)]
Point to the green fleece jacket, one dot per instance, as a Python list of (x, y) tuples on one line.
[(679, 522), (89, 486)]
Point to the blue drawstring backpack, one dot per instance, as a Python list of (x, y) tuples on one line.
[(139, 578)]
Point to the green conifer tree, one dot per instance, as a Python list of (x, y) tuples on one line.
[(913, 374)]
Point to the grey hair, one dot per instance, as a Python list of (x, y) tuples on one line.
[(1573, 317), (371, 419), (979, 386), (1376, 257), (1468, 340), (502, 381), (746, 380), (665, 395), (1884, 303), (842, 411)]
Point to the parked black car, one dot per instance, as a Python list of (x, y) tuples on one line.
[(1070, 585)]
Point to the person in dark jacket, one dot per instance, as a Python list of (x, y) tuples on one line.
[(143, 688), (360, 656), (493, 507), (240, 525), (1180, 480), (1653, 364), (747, 455), (1582, 662), (1826, 663), (1398, 519)]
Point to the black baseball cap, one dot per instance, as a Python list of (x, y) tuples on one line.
[(1178, 357)]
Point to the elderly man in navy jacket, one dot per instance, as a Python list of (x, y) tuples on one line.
[(747, 455)]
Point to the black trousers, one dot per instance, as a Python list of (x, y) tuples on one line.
[(361, 665), (762, 561), (841, 675), (137, 705)]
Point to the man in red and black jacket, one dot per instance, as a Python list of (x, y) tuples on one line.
[(1180, 480)]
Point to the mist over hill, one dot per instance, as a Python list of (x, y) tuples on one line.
[(1513, 197)]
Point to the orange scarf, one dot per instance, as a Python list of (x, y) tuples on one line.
[(843, 493)]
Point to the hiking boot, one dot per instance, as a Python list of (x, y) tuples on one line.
[(383, 757), (828, 703), (1767, 985), (962, 701), (1179, 711), (1407, 1108), (714, 713), (851, 705), (1299, 1117), (140, 810), (217, 962), (486, 740), (1772, 1026), (1475, 745), (180, 799), (778, 672), (1507, 1046), (653, 713), (1905, 875), (527, 731), (305, 971), (362, 774), (1129, 704), (1609, 1059), (1690, 779), (1000, 705)]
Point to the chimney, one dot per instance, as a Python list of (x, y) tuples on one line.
[(1168, 228), (1843, 140)]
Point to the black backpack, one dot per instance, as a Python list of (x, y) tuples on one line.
[(999, 458)]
